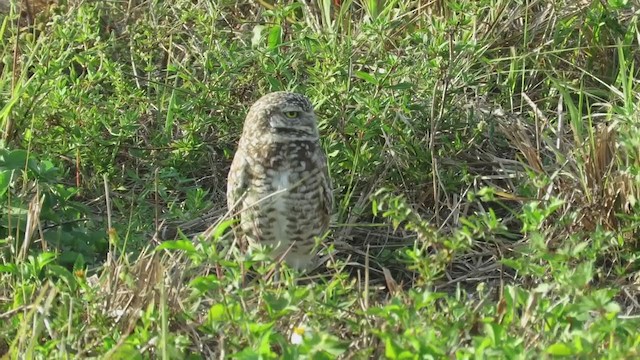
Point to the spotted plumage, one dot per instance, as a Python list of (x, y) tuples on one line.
[(278, 186)]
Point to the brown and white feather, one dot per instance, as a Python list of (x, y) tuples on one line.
[(279, 186)]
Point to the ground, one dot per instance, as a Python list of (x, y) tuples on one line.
[(484, 156)]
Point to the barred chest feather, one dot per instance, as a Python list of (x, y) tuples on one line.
[(280, 184), (287, 197)]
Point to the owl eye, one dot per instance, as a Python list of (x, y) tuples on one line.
[(291, 114)]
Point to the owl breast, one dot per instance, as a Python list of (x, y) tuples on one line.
[(284, 209), (281, 204)]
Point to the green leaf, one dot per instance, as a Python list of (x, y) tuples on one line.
[(15, 159), (5, 181), (43, 259), (559, 349), (63, 274), (618, 4), (184, 245), (391, 350), (247, 354), (275, 37), (222, 227), (366, 77), (265, 346), (9, 268), (217, 313), (17, 95), (205, 283), (260, 328), (80, 264), (126, 351), (278, 305), (69, 257)]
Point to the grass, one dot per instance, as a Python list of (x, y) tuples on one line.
[(484, 156)]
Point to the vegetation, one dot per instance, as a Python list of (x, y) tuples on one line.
[(485, 156)]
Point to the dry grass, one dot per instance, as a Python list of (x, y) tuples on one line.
[(488, 191)]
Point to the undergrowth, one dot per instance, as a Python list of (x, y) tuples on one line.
[(484, 156)]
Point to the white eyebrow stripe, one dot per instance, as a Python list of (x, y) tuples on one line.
[(291, 108)]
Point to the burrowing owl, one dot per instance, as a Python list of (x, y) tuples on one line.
[(279, 186)]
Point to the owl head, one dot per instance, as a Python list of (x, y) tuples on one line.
[(282, 116)]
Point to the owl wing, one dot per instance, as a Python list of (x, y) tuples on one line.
[(327, 190), (237, 185)]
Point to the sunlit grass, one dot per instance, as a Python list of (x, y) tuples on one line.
[(484, 155)]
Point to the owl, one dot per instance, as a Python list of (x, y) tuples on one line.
[(278, 186)]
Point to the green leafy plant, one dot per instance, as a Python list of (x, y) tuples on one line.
[(483, 154)]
